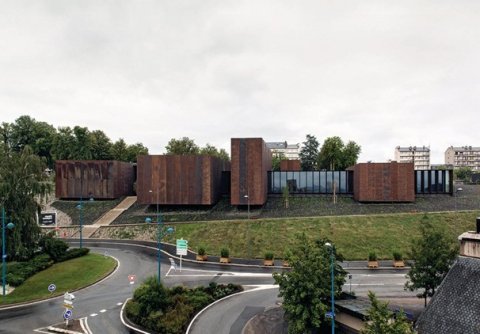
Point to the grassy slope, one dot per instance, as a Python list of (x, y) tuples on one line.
[(67, 276)]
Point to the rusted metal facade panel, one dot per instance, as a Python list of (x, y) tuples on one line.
[(251, 159), (290, 165), (178, 179), (100, 179), (384, 182)]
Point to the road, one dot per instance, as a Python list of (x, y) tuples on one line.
[(100, 304)]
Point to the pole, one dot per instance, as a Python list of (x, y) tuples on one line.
[(4, 265), (159, 244), (81, 220), (332, 292)]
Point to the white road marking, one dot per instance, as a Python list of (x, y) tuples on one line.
[(118, 304), (93, 314), (103, 311)]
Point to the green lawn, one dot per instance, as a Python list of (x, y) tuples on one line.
[(67, 276), (355, 236)]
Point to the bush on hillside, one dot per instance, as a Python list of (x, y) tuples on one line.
[(74, 253)]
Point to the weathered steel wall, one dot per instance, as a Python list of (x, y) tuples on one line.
[(290, 165), (179, 179), (251, 159), (384, 182), (100, 179)]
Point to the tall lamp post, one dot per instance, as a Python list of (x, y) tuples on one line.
[(161, 232), (248, 205), (332, 286), (4, 254), (80, 213)]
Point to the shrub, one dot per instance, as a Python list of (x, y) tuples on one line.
[(56, 248), (224, 252), (397, 256), (268, 256), (14, 280), (74, 253), (372, 256), (201, 251), (18, 272)]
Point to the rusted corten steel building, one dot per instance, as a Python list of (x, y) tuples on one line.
[(290, 165), (251, 159), (384, 182), (179, 179), (100, 179)]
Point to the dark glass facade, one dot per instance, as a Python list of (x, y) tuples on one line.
[(310, 182), (433, 181)]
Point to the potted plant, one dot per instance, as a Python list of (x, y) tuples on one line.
[(398, 260), (372, 260), (202, 254), (286, 255), (224, 255), (268, 259)]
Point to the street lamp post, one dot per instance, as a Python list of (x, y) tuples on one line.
[(80, 213), (161, 232), (332, 287), (248, 205), (4, 254), (456, 195)]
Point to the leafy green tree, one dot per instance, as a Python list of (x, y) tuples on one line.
[(276, 159), (101, 145), (183, 146), (463, 173), (83, 143), (335, 155), (135, 150), (120, 150), (433, 253), (22, 183), (213, 151), (63, 147), (384, 321), (306, 287), (309, 153)]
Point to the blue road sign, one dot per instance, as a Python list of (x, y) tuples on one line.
[(52, 287), (67, 314), (329, 315)]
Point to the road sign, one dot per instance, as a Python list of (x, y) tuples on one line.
[(68, 296), (172, 264), (48, 218), (182, 247), (69, 306), (132, 278), (67, 314), (329, 315), (52, 287)]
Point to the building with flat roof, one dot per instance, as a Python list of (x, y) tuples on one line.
[(418, 155), (291, 151), (464, 156)]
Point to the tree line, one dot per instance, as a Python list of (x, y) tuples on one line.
[(65, 143)]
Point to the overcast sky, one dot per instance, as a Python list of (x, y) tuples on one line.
[(382, 73)]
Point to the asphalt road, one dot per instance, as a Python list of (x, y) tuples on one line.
[(100, 304)]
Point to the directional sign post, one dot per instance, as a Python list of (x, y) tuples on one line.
[(67, 315), (329, 315), (182, 249), (132, 278), (52, 287), (68, 299)]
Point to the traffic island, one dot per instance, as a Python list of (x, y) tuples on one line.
[(74, 327)]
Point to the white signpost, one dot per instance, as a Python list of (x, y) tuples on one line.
[(182, 249), (68, 299)]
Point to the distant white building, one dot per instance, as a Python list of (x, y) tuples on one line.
[(291, 151), (464, 156), (419, 155)]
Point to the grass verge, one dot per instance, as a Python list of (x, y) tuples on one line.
[(355, 236), (67, 276)]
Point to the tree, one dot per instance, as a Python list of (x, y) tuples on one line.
[(276, 159), (120, 150), (306, 287), (309, 153), (183, 146), (433, 253), (135, 150), (384, 321), (214, 152), (63, 147), (463, 173), (334, 155), (22, 183), (101, 145), (83, 143)]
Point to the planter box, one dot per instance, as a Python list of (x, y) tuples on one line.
[(285, 263), (268, 262), (225, 260), (202, 257), (372, 264), (399, 264)]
